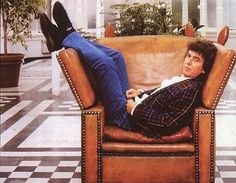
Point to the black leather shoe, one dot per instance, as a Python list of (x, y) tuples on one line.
[(62, 20), (51, 32)]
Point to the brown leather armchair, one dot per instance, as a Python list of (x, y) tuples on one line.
[(113, 155)]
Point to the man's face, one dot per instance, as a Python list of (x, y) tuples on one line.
[(193, 64)]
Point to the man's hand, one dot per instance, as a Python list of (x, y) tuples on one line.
[(131, 93), (130, 105)]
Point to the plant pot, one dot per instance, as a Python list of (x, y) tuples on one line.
[(10, 65)]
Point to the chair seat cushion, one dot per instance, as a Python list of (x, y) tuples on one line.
[(116, 134)]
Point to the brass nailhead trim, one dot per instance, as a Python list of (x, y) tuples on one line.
[(197, 149), (150, 154), (71, 84), (212, 149), (231, 66), (83, 166), (212, 146), (99, 149), (99, 154)]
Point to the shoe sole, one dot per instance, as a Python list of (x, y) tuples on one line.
[(44, 23)]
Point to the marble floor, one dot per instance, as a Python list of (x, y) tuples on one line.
[(40, 132)]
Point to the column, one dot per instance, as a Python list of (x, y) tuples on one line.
[(219, 15), (99, 18), (203, 16), (184, 12), (56, 73), (84, 14)]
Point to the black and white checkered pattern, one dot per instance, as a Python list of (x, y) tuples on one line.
[(33, 171)]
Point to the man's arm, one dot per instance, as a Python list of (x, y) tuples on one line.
[(166, 108)]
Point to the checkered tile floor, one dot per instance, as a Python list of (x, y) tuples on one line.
[(40, 133), (47, 170)]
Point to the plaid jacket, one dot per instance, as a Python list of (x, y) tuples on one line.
[(168, 109)]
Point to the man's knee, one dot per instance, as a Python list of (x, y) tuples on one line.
[(106, 65)]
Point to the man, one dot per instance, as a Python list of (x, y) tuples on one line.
[(154, 113)]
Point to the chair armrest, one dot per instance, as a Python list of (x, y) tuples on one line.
[(204, 137), (77, 77), (93, 120)]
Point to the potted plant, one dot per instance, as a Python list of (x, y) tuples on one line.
[(17, 17), (144, 19)]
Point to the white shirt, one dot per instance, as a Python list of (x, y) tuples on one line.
[(165, 83)]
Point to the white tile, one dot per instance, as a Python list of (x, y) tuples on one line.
[(7, 168), (65, 87), (228, 174), (75, 180), (12, 94), (20, 174), (2, 180), (223, 107), (225, 130), (232, 105), (15, 109), (226, 153), (232, 84), (37, 180), (76, 113), (221, 103), (219, 180), (68, 102), (78, 169), (45, 169), (41, 153), (64, 106), (230, 101), (74, 108), (224, 112), (29, 163), (55, 131), (18, 126), (68, 163), (225, 163), (6, 101), (60, 175)]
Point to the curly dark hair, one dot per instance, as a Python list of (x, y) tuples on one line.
[(208, 52)]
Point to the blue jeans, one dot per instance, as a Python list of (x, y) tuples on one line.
[(110, 72)]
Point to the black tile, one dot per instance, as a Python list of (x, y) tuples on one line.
[(59, 181), (227, 168), (229, 180)]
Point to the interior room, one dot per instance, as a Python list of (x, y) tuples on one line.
[(42, 132)]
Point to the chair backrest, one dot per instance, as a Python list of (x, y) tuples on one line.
[(223, 35), (151, 59), (189, 30)]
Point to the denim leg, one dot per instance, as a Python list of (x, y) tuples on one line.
[(107, 76), (119, 60)]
